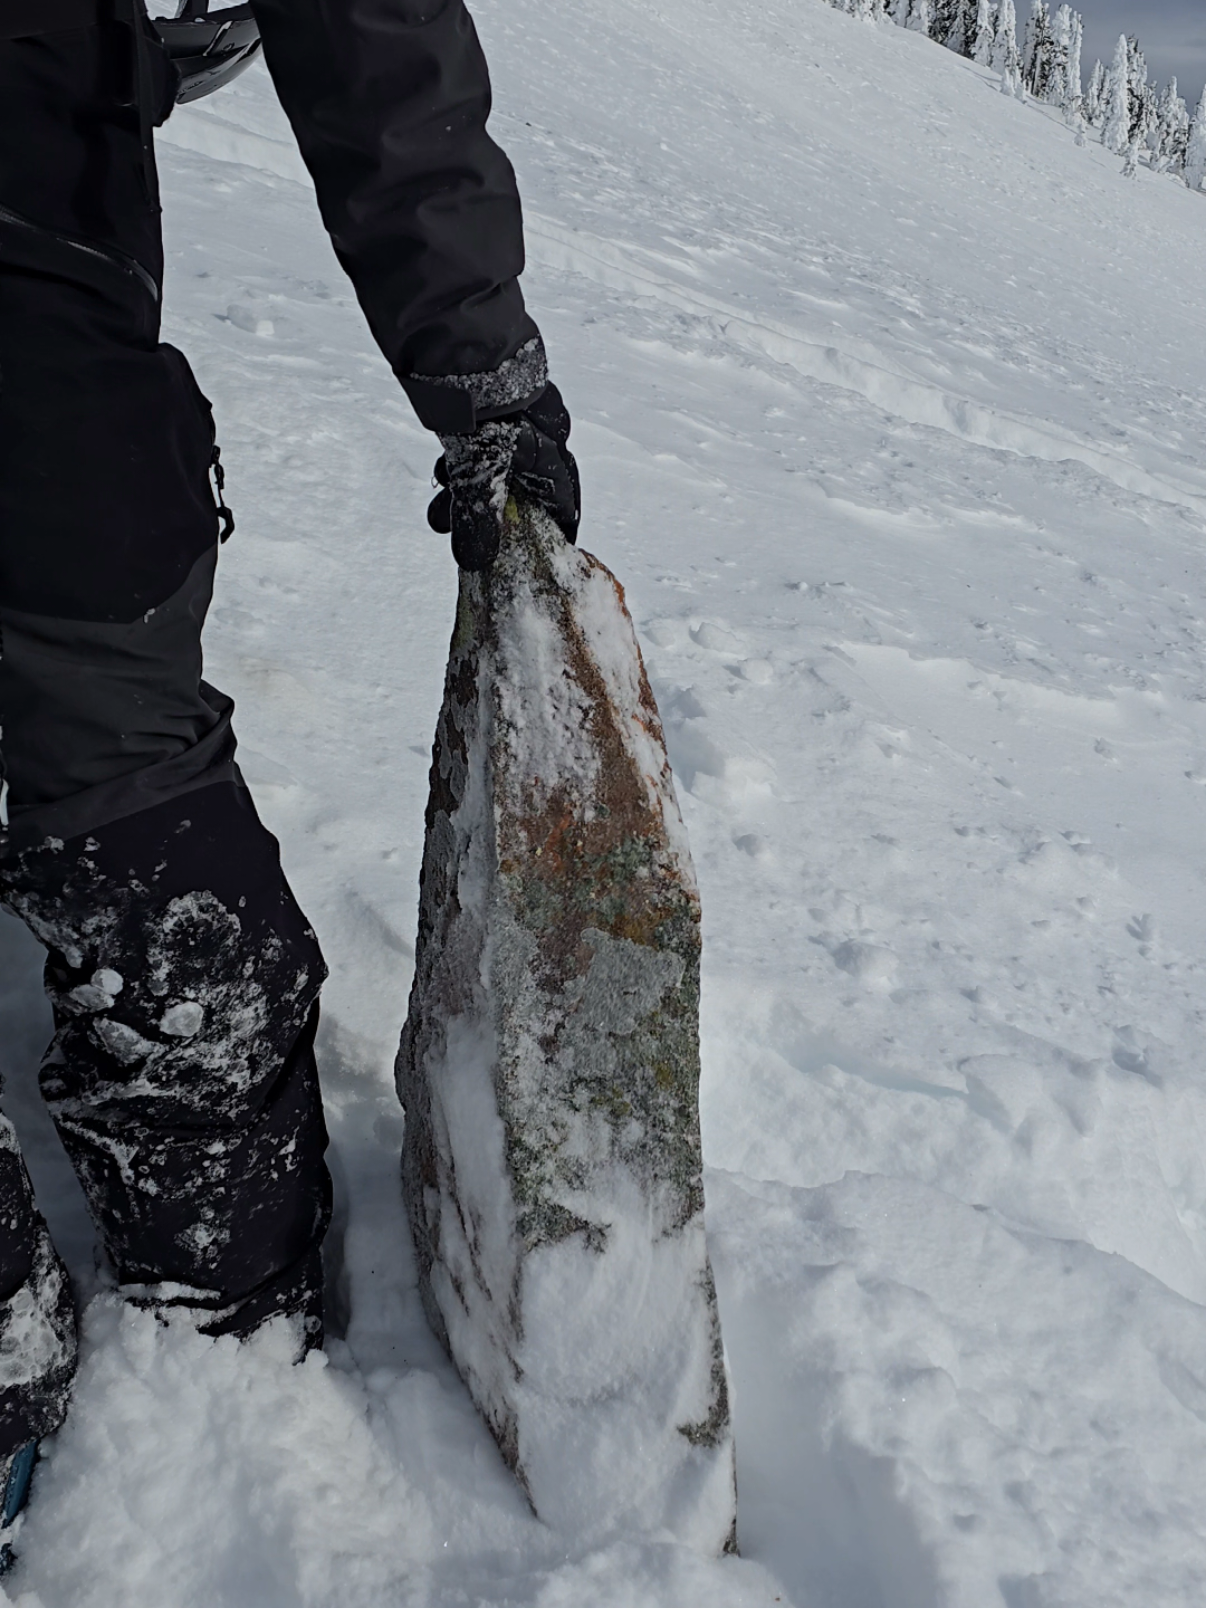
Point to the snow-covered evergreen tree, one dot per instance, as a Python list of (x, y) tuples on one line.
[(1095, 95), (1059, 90), (1141, 98), (1006, 58), (1145, 121), (1172, 130), (1036, 49), (961, 32), (1028, 33), (964, 38), (986, 32), (1120, 100), (1075, 50), (867, 9), (946, 23), (1116, 101), (1195, 151)]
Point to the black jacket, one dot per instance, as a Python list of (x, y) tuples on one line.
[(105, 438), (389, 100)]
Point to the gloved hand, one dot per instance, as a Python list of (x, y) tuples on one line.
[(525, 452)]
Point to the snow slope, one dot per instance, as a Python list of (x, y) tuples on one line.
[(890, 408)]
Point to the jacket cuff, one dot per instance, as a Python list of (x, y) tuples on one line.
[(455, 404)]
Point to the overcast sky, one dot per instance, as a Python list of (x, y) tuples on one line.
[(1171, 32)]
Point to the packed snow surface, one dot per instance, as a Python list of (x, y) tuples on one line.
[(889, 402)]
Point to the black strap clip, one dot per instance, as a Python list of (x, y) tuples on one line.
[(225, 516)]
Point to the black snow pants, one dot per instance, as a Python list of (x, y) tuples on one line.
[(183, 977)]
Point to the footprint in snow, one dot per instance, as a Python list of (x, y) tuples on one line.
[(871, 964), (693, 754), (687, 705), (243, 317), (1134, 1052), (1143, 930)]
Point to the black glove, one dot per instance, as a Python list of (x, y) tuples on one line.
[(523, 451)]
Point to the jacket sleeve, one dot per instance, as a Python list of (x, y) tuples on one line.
[(389, 100)]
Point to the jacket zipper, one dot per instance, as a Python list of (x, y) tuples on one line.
[(113, 258)]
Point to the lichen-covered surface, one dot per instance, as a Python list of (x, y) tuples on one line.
[(550, 1062)]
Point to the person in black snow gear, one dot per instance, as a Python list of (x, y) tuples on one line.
[(183, 977)]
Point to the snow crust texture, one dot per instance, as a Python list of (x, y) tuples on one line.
[(549, 1067)]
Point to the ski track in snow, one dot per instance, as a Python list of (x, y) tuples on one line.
[(889, 405)]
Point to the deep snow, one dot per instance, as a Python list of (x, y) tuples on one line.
[(890, 409)]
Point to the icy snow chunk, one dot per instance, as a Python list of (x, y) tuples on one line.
[(90, 998), (716, 639), (550, 1062), (99, 994), (182, 1021), (122, 1042)]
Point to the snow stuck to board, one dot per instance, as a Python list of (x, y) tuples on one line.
[(549, 1068)]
